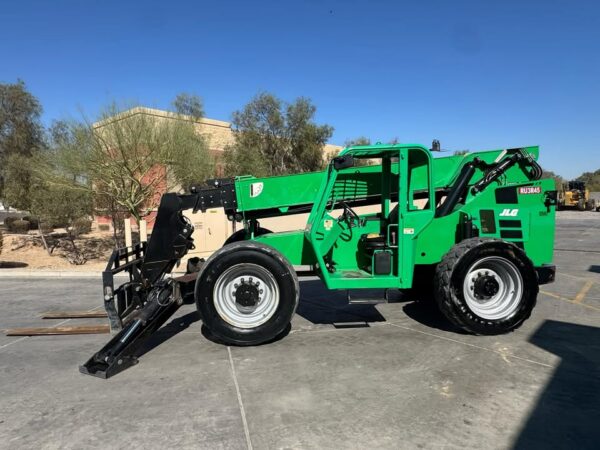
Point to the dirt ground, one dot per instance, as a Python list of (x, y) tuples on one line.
[(27, 251)]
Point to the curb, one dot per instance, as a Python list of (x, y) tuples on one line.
[(32, 273), (14, 273)]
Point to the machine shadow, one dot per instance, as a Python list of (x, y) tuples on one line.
[(568, 410), (211, 337), (426, 312), (166, 332), (594, 268), (321, 306)]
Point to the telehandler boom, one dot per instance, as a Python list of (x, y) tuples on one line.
[(476, 229)]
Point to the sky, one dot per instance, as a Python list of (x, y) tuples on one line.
[(474, 74)]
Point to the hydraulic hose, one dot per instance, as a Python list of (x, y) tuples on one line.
[(458, 190), (496, 171)]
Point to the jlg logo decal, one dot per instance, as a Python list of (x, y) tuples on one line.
[(509, 213)]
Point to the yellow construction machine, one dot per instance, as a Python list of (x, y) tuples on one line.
[(575, 195)]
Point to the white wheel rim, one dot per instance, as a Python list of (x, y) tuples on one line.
[(260, 280), (506, 300)]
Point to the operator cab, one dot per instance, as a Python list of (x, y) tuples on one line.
[(360, 230)]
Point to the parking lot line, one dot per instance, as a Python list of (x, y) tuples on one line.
[(575, 250), (582, 293), (56, 325), (560, 297), (240, 402), (564, 274), (456, 341), (553, 295), (14, 342)]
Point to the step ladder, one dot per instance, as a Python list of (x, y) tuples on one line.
[(368, 300)]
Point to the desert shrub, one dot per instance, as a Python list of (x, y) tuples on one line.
[(103, 227), (19, 226), (60, 224), (33, 222), (82, 226), (9, 220), (46, 228)]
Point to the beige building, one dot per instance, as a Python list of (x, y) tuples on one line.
[(218, 133), (212, 227)]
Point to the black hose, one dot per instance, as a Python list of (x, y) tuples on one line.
[(497, 170), (536, 169), (458, 190)]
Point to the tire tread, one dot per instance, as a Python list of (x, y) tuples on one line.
[(258, 247), (442, 282)]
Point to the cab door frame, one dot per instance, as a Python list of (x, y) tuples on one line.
[(415, 174)]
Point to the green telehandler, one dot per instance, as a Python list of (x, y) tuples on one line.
[(474, 231)]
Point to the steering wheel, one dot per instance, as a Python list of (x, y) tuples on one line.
[(349, 215)]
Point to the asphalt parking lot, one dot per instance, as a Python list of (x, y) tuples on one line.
[(361, 376)]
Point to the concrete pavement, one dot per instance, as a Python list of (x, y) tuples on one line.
[(386, 376)]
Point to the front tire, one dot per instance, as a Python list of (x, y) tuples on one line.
[(486, 286), (247, 293)]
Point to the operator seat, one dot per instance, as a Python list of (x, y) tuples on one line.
[(374, 241)]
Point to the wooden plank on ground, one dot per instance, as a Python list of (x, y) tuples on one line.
[(51, 331), (73, 314)]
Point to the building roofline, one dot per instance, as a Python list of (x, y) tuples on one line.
[(162, 114), (175, 116)]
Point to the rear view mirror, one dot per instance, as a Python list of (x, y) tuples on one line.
[(343, 162)]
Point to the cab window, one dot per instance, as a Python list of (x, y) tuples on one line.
[(418, 181)]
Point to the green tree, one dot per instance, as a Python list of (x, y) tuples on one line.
[(54, 196), (61, 204), (128, 159), (17, 173), (21, 137), (558, 180), (591, 179), (273, 138), (189, 105), (361, 140)]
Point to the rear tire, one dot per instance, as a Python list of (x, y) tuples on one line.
[(590, 205), (486, 286), (581, 205), (247, 293)]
